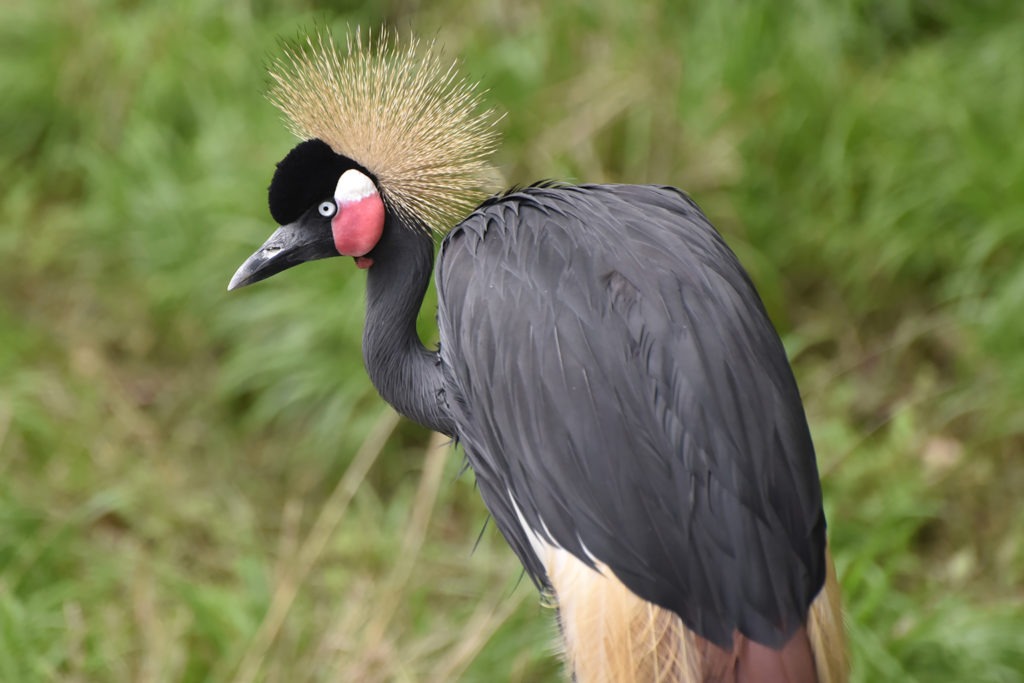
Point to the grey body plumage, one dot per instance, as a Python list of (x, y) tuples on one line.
[(610, 367)]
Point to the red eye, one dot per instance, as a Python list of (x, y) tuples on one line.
[(327, 209)]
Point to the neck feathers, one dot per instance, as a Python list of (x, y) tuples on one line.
[(405, 373)]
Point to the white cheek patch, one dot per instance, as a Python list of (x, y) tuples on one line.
[(353, 186)]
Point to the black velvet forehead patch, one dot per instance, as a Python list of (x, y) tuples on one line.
[(306, 176)]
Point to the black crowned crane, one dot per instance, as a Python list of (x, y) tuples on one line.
[(623, 399)]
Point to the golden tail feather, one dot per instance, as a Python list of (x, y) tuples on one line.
[(612, 636), (825, 629)]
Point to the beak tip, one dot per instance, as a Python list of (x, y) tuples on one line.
[(238, 279)]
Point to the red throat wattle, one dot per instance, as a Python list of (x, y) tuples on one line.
[(359, 223)]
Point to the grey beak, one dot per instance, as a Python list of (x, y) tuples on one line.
[(289, 246)]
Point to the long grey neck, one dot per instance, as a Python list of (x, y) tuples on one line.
[(406, 374)]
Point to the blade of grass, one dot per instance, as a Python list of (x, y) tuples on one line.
[(331, 515), (416, 529)]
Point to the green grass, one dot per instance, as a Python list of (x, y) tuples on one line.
[(203, 487)]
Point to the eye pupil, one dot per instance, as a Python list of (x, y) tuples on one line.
[(326, 209)]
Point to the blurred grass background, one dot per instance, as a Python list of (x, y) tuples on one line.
[(204, 487)]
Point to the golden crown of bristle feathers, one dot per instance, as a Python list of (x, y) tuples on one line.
[(401, 112)]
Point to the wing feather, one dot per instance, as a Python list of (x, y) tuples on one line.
[(619, 388)]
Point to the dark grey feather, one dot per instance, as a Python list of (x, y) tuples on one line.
[(610, 367)]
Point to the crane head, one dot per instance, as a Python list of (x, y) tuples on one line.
[(400, 119), (326, 204)]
